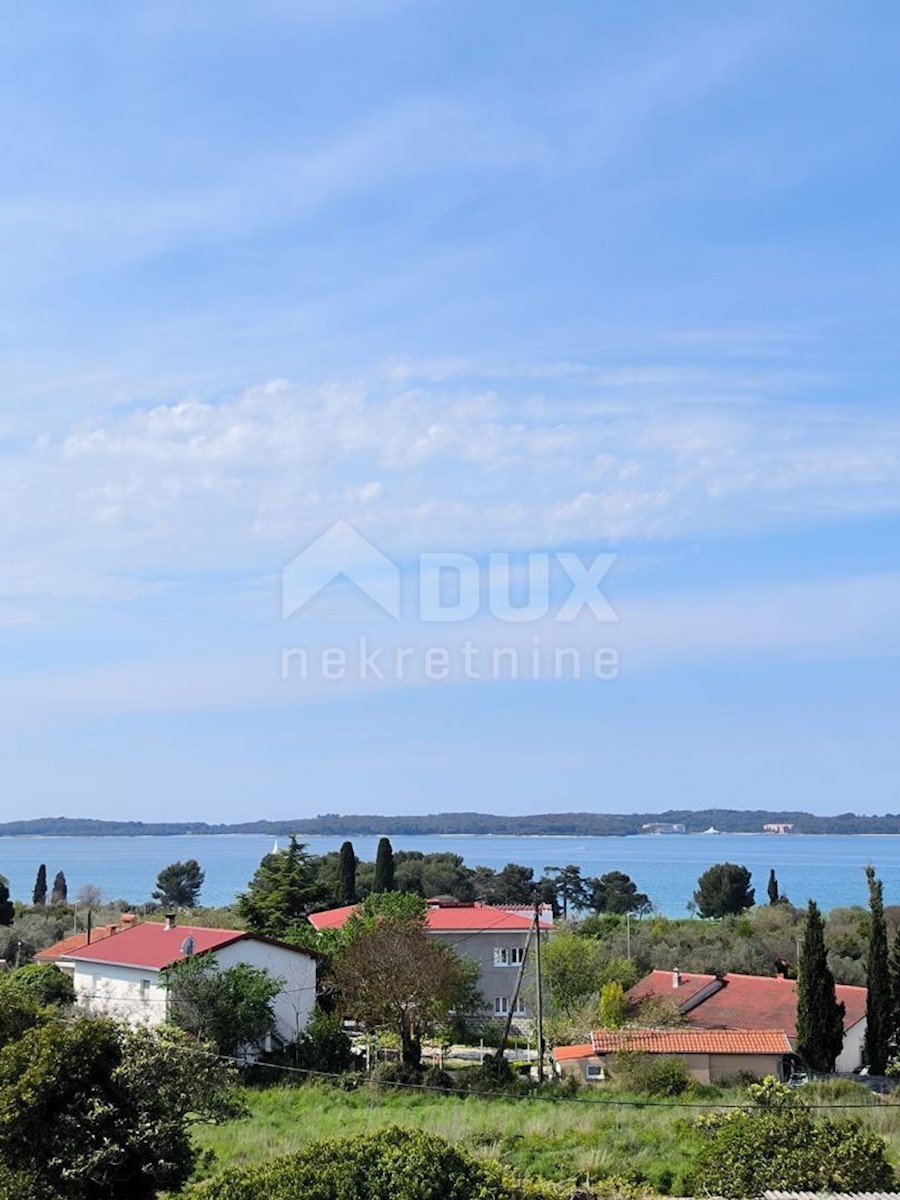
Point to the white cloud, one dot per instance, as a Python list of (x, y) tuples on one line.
[(239, 483)]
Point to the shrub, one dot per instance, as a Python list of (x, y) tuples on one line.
[(749, 1152), (323, 1045), (651, 1075), (436, 1077), (46, 984), (88, 1109), (393, 1164)]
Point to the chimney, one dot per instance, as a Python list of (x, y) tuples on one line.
[(676, 978), (170, 921)]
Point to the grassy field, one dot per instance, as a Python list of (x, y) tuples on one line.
[(564, 1139)]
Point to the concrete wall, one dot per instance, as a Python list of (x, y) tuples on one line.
[(579, 1068), (111, 991), (851, 1055), (704, 1068), (494, 981), (294, 1004)]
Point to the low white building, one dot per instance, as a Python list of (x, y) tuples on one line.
[(120, 975)]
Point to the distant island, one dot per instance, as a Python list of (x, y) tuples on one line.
[(585, 824)]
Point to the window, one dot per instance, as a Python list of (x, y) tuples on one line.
[(508, 956), (520, 1010), (595, 1071), (145, 990), (501, 1006)]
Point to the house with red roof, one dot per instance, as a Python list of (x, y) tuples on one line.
[(493, 936), (710, 1055), (751, 1002), (57, 954), (119, 975)]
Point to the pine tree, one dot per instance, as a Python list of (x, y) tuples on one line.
[(281, 892), (39, 896), (878, 982), (348, 873), (60, 893), (384, 867), (772, 887), (820, 1018)]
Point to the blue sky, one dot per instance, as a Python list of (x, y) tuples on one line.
[(474, 279)]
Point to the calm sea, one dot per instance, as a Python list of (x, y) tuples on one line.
[(828, 869)]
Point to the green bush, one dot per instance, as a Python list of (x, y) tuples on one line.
[(394, 1164), (748, 1152), (323, 1045), (44, 983), (650, 1074)]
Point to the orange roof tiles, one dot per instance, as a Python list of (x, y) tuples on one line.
[(76, 942), (691, 1041), (565, 1053)]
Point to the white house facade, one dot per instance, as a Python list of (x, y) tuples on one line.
[(121, 976)]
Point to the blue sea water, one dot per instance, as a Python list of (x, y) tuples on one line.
[(827, 868)]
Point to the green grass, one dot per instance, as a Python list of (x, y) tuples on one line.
[(558, 1140), (555, 1140)]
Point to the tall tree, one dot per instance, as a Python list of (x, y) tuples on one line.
[(878, 981), (571, 889), (724, 890), (60, 892), (39, 895), (894, 966), (772, 887), (348, 873), (178, 885), (7, 908), (384, 867), (392, 974), (281, 892), (820, 1018), (615, 892)]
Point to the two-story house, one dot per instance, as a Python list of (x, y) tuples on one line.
[(493, 936)]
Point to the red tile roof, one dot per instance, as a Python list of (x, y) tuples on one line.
[(691, 1041), (659, 983), (447, 918), (334, 918), (566, 1053), (151, 945), (760, 1002), (743, 1001), (64, 948)]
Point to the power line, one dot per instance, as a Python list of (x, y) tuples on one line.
[(495, 1095)]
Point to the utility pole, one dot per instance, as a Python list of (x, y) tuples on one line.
[(628, 935), (540, 990)]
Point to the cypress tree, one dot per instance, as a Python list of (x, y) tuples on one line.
[(878, 981), (60, 893), (7, 908), (384, 867), (820, 1019), (39, 896), (348, 873), (894, 966), (772, 887)]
